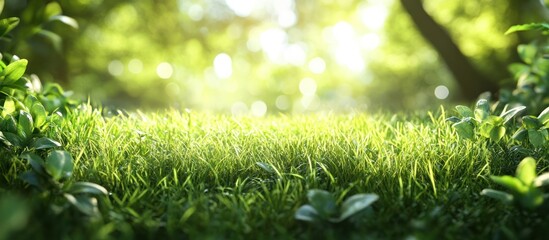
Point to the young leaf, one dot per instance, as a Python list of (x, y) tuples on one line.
[(14, 71), (464, 111), (85, 204), (537, 138), (544, 116), (482, 110), (464, 128), (508, 115), (87, 187), (36, 162), (497, 133), (39, 114), (527, 27), (502, 196), (531, 122), (520, 134), (25, 125), (8, 24), (356, 203), (323, 202), (542, 180), (532, 199), (511, 183), (306, 213), (59, 164), (526, 171), (65, 20), (44, 143)]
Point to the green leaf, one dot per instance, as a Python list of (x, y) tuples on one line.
[(52, 9), (25, 125), (520, 134), (544, 116), (532, 199), (36, 162), (531, 122), (527, 53), (482, 110), (502, 196), (1, 6), (464, 111), (59, 164), (14, 71), (464, 128), (65, 20), (44, 143), (508, 115), (51, 37), (537, 138), (39, 114), (355, 204), (542, 180), (8, 24), (497, 133), (528, 27), (306, 213), (526, 171), (87, 187), (323, 202), (85, 204), (13, 139), (32, 179), (265, 166), (511, 183)]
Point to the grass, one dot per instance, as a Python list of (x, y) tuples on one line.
[(189, 175)]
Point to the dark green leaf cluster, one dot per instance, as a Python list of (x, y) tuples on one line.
[(323, 206), (524, 187), (26, 112)]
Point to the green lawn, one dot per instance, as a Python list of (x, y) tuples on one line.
[(191, 175)]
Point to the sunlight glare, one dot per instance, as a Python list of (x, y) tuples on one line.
[(373, 16), (116, 68), (258, 109), (370, 41), (242, 8), (223, 66), (239, 109), (442, 92), (294, 54), (287, 18), (164, 70), (282, 102), (307, 87), (347, 48), (195, 12), (135, 66), (273, 43), (317, 65)]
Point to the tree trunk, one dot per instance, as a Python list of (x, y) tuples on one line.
[(469, 79)]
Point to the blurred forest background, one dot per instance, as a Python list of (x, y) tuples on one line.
[(260, 56)]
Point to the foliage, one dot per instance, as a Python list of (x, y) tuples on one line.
[(26, 113), (481, 121), (323, 206), (524, 186)]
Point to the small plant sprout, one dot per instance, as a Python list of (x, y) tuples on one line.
[(535, 128), (524, 187), (488, 125), (323, 206)]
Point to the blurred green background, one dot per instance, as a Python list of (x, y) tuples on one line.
[(258, 56)]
